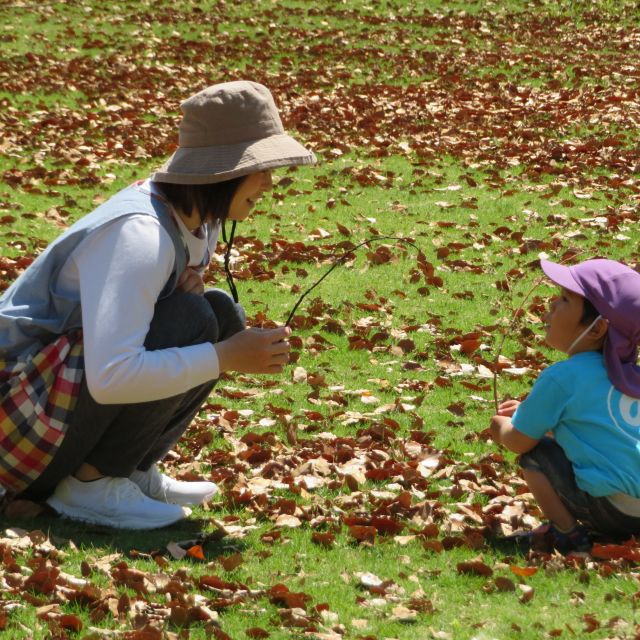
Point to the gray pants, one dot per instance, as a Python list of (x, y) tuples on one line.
[(118, 439), (597, 514)]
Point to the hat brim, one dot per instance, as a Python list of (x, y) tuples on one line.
[(562, 276), (208, 165)]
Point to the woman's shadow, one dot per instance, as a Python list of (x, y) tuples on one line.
[(71, 535)]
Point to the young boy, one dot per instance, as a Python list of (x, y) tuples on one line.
[(579, 429)]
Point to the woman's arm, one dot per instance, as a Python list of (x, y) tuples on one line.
[(122, 269)]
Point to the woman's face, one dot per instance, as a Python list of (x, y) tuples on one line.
[(248, 193)]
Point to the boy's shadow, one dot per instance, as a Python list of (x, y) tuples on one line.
[(507, 546)]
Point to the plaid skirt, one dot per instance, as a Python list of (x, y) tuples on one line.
[(38, 393)]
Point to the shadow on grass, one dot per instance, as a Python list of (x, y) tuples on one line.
[(71, 536), (508, 547)]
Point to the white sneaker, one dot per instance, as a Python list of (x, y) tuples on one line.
[(114, 502), (158, 486)]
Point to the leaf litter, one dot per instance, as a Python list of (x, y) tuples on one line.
[(437, 509), (387, 488)]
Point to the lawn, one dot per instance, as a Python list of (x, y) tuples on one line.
[(361, 497)]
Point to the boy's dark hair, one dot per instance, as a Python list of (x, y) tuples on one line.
[(589, 312), (211, 201)]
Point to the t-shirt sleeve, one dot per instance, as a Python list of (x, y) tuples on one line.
[(543, 407), (122, 269)]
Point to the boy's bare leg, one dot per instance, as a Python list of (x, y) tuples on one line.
[(548, 500)]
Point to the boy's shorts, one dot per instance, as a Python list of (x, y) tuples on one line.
[(597, 514)]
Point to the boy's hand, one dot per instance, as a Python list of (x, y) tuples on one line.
[(508, 407)]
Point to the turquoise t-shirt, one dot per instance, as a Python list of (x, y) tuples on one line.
[(597, 426)]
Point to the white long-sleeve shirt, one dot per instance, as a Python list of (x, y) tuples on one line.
[(119, 271)]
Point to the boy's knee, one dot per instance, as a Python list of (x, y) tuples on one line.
[(537, 458), (531, 459), (549, 459)]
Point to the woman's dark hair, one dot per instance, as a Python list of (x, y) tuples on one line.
[(211, 201), (589, 312)]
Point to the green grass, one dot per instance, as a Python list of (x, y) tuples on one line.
[(439, 122)]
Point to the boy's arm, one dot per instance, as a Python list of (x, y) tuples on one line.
[(504, 433)]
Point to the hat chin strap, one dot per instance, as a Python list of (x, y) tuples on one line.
[(582, 335), (227, 258)]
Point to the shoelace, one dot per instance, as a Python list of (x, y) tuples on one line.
[(122, 489)]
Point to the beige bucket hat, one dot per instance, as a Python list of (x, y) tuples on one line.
[(230, 130)]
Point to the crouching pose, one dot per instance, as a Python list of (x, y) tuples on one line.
[(109, 342), (579, 429)]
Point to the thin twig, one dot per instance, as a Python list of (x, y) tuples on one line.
[(341, 260), (512, 324)]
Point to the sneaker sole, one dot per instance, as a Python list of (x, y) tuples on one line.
[(185, 502), (92, 517)]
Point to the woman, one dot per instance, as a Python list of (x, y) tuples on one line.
[(109, 341)]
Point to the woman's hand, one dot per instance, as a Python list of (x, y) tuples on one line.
[(508, 408), (255, 351), (190, 281)]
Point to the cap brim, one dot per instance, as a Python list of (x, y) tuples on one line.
[(562, 276), (208, 165)]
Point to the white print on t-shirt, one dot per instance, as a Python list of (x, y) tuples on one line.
[(627, 411)]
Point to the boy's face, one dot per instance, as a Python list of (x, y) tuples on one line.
[(562, 322)]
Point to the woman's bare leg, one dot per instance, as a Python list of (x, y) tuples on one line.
[(87, 473)]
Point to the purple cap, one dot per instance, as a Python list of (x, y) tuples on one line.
[(614, 290)]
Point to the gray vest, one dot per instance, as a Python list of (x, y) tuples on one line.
[(32, 310)]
